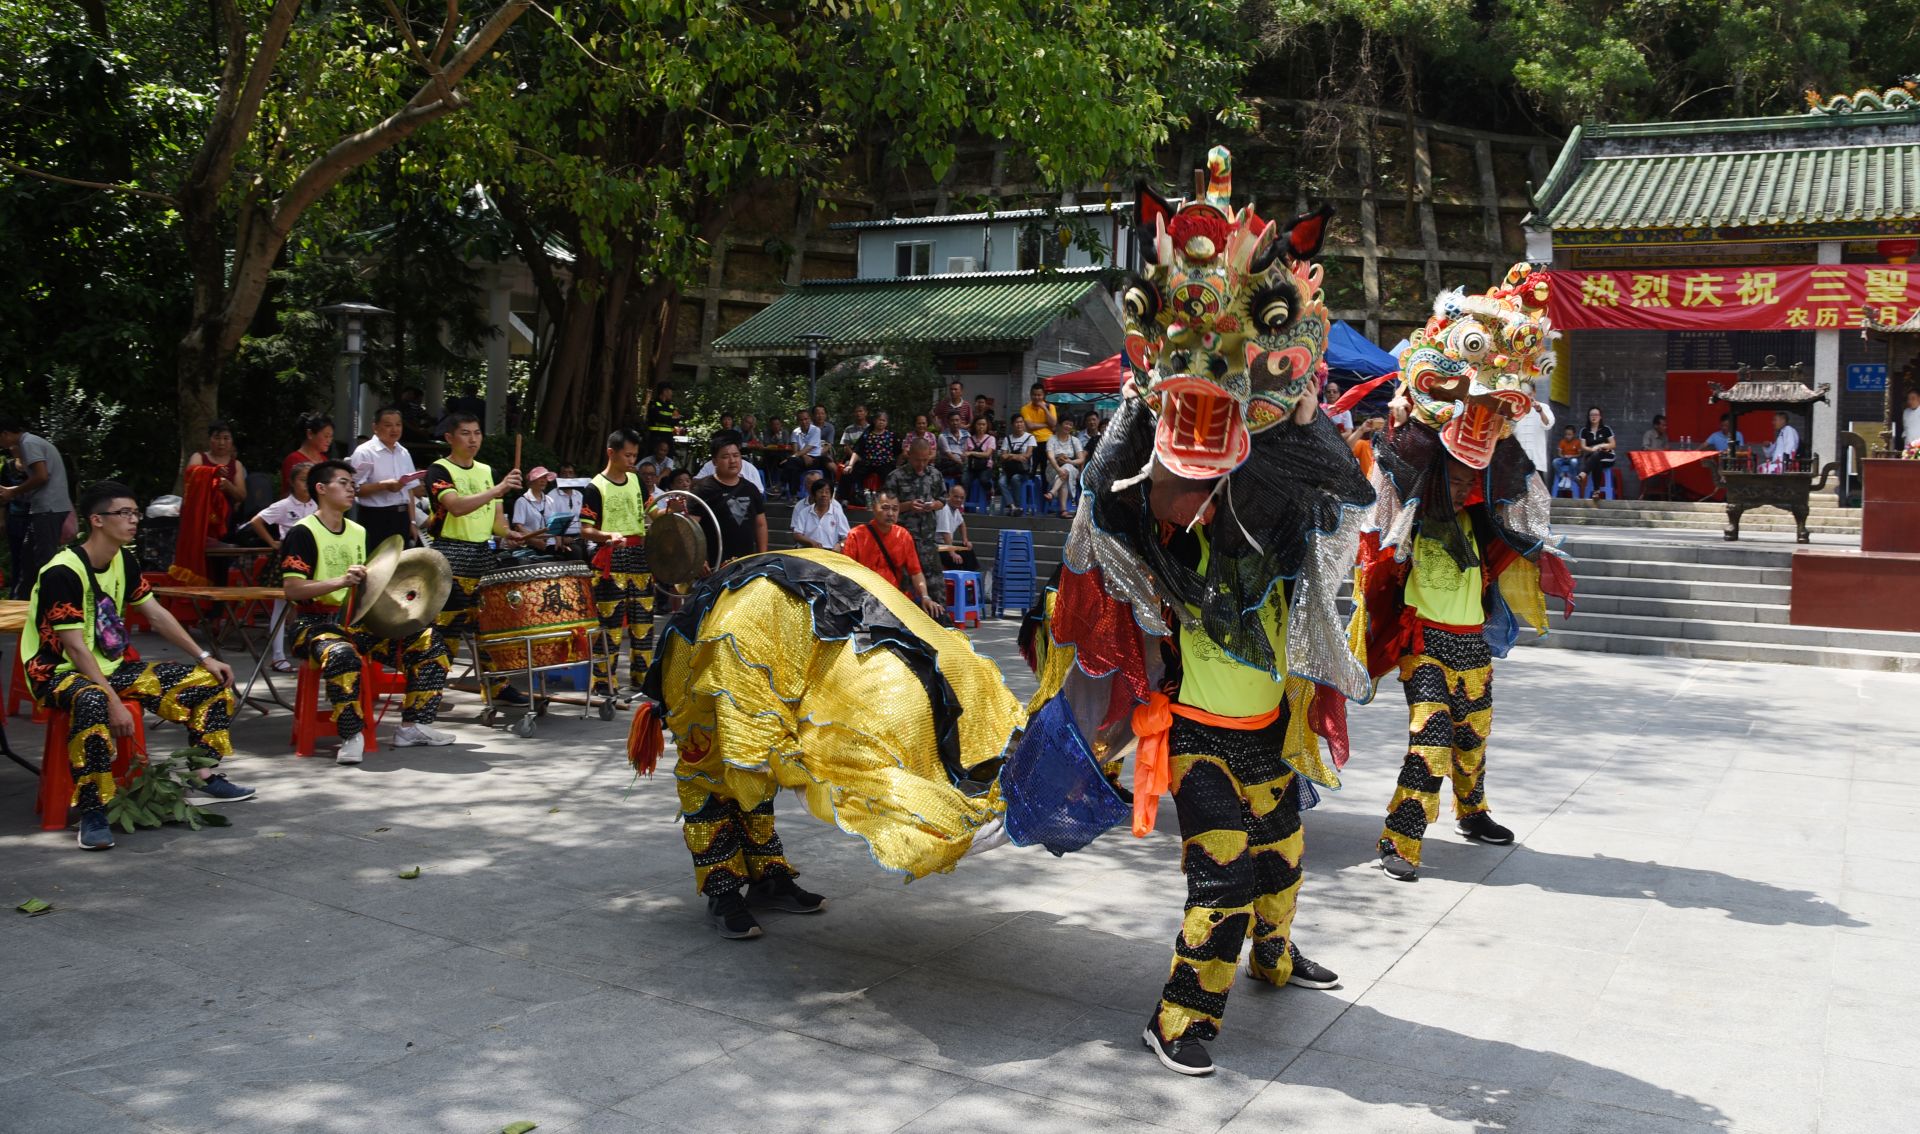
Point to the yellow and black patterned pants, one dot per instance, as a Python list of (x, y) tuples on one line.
[(1240, 847), (1449, 686), (173, 691), (731, 845), (319, 639), (624, 597), (469, 561)]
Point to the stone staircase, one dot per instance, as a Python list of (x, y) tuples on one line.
[(1824, 516), (1642, 592)]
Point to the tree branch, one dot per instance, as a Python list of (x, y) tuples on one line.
[(96, 11), (447, 30), (103, 186)]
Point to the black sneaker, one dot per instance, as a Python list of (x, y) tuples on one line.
[(1397, 867), (1183, 1057), (95, 832), (508, 695), (1481, 828), (783, 893), (219, 789), (729, 915), (1306, 974)]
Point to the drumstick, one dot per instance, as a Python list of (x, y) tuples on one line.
[(516, 452)]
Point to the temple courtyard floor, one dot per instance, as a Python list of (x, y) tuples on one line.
[(1707, 924)]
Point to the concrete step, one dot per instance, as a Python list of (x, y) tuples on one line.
[(1712, 650), (1749, 632), (1693, 572), (1681, 590), (1818, 503), (1590, 603), (1676, 550), (1751, 522)]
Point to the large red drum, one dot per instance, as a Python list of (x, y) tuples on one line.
[(546, 608)]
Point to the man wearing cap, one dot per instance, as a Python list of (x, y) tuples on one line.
[(536, 508), (323, 557)]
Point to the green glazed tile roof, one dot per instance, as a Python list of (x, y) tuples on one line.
[(988, 309), (1821, 185)]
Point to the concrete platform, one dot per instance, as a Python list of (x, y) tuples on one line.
[(1706, 925)]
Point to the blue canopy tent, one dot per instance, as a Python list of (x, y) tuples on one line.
[(1352, 359)]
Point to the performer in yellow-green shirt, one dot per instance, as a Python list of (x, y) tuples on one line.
[(613, 514), (466, 514)]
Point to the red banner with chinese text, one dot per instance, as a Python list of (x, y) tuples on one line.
[(1800, 298)]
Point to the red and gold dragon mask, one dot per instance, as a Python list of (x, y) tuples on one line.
[(1469, 373), (1226, 322)]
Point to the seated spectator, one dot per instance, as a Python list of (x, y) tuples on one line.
[(535, 508), (749, 429), (951, 454), (1656, 437), (921, 431), (1065, 456), (950, 533), (567, 501), (983, 408), (316, 430), (1597, 445), (650, 475), (1567, 463), (416, 423), (1784, 452), (879, 452), (977, 453), (1907, 424), (1725, 436), (1090, 430), (726, 423), (747, 469), (820, 522), (220, 454), (826, 431), (662, 457), (809, 453), (1041, 418), (267, 528), (884, 547), (1016, 464)]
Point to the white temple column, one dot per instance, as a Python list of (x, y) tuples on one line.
[(1826, 368)]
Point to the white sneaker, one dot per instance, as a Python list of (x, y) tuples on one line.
[(417, 735), (352, 751)]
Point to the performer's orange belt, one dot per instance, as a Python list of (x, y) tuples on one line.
[(1152, 761)]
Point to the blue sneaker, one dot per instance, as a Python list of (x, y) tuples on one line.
[(95, 832), (222, 790)]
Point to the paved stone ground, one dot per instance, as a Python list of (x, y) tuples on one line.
[(1707, 924)]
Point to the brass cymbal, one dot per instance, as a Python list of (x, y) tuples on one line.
[(405, 590)]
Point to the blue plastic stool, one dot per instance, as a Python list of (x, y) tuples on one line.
[(576, 678), (963, 604), (978, 499), (1013, 572), (1592, 489), (1030, 496), (1569, 482)]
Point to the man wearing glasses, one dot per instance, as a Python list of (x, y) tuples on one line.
[(322, 558), (75, 646)]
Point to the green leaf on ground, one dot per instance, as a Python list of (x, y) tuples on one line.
[(519, 1127), (414, 873), (33, 907), (275, 835)]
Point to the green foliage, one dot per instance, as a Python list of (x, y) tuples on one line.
[(159, 794), (496, 452)]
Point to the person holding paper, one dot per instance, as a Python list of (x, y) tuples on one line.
[(384, 480)]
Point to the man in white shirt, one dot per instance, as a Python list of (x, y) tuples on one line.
[(564, 499), (383, 480), (1785, 448), (808, 453), (820, 521), (1910, 420), (271, 524)]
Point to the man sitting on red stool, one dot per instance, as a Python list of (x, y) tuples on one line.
[(322, 556), (75, 643)]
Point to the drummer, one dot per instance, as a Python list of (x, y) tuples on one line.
[(467, 513), (321, 559), (613, 513)]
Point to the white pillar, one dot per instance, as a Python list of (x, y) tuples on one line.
[(1826, 368), (342, 402), (499, 311)]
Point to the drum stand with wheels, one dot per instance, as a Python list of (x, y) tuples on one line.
[(536, 702)]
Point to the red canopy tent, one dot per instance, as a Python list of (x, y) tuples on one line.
[(1100, 378)]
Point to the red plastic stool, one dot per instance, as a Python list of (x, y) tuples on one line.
[(56, 771), (311, 721), (17, 691)]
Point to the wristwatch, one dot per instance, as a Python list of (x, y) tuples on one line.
[(204, 655)]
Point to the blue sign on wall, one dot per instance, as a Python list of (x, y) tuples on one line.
[(1866, 377)]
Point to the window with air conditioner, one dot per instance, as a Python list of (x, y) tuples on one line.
[(961, 265), (1043, 244), (913, 259)]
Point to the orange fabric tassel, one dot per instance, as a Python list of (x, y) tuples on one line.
[(1152, 759), (646, 740)]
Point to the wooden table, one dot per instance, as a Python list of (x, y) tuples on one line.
[(223, 607)]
